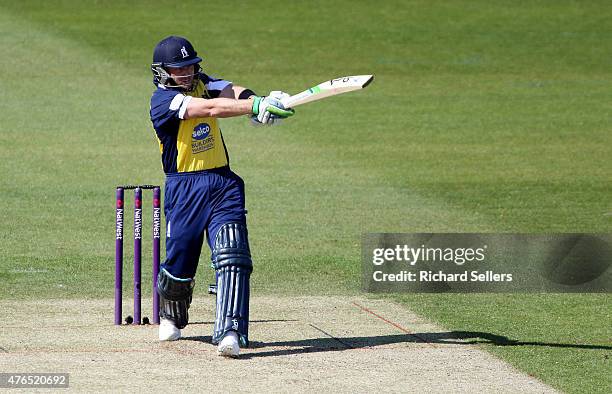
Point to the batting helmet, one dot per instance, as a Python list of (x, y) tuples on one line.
[(173, 51)]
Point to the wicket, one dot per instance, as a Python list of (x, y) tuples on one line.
[(119, 214)]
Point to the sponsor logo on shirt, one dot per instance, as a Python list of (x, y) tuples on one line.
[(201, 139), (201, 131)]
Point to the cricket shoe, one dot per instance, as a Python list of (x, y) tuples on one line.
[(168, 331), (228, 347)]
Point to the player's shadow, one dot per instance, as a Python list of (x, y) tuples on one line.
[(334, 344)]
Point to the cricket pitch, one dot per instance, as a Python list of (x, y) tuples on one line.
[(298, 344)]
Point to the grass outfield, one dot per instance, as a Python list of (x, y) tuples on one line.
[(482, 118)]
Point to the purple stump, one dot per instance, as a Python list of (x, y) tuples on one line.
[(118, 255), (137, 252), (156, 239)]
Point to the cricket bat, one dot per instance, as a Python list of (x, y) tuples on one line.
[(328, 88)]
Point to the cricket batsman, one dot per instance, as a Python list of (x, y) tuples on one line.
[(202, 195)]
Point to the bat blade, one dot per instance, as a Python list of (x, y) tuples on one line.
[(329, 88)]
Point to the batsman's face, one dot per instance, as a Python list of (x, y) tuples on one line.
[(183, 76)]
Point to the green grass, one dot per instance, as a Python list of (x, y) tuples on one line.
[(563, 339), (484, 117)]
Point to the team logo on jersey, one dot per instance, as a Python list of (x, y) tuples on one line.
[(184, 52), (201, 131), (201, 138)]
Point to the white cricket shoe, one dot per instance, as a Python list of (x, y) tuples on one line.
[(168, 331), (228, 346)]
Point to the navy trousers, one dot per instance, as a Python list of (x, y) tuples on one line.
[(198, 204)]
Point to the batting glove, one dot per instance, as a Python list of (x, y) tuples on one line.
[(274, 120), (266, 110)]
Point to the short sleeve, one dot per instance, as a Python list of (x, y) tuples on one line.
[(167, 105), (213, 85)]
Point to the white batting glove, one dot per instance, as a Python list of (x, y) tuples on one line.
[(280, 96), (268, 110)]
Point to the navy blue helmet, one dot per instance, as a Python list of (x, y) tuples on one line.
[(174, 51)]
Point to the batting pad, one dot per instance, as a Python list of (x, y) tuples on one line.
[(232, 261), (232, 303)]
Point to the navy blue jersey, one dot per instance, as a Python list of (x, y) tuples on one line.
[(188, 145)]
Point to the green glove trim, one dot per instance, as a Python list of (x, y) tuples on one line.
[(255, 108), (283, 113)]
